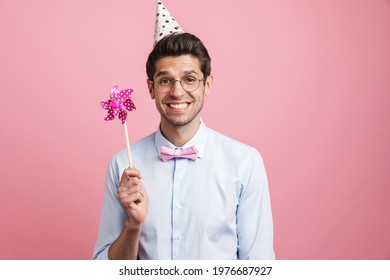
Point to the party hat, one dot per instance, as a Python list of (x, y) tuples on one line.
[(165, 23)]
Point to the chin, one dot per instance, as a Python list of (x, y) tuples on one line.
[(179, 122)]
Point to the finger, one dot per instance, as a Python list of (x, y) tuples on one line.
[(126, 190), (132, 185), (135, 197), (134, 181), (129, 173), (133, 205)]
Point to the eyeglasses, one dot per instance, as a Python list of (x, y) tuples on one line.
[(188, 83)]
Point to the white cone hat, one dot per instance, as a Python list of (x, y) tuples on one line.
[(165, 23)]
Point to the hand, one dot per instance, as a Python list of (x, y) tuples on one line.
[(133, 196)]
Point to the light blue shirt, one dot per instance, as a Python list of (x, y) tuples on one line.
[(217, 207)]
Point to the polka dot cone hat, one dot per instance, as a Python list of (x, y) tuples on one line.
[(165, 23)]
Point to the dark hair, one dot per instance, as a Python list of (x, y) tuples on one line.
[(177, 44)]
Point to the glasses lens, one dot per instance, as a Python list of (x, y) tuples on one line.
[(190, 83), (190, 86), (164, 84)]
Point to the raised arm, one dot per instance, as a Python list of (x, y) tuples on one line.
[(134, 200)]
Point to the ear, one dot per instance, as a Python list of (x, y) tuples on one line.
[(208, 85), (150, 88)]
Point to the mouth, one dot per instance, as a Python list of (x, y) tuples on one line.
[(178, 106)]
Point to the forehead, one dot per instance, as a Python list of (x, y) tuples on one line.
[(178, 65)]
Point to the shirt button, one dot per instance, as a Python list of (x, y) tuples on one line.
[(179, 237), (179, 206)]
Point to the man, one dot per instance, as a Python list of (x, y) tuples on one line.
[(196, 194)]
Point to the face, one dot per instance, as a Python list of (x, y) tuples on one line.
[(178, 107)]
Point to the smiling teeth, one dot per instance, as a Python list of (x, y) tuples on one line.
[(179, 106)]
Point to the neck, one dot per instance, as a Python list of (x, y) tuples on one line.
[(179, 135)]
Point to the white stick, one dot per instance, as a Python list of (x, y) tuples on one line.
[(128, 145)]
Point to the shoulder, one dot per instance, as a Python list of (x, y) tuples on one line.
[(237, 157), (232, 147)]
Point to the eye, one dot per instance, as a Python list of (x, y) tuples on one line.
[(190, 80), (165, 81)]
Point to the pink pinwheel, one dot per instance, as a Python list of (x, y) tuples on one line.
[(119, 102)]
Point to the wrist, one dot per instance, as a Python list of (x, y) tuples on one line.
[(132, 227)]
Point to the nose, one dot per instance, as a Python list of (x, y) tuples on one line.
[(177, 89)]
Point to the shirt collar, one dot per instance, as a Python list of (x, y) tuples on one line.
[(199, 140)]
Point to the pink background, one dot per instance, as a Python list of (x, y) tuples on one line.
[(305, 82)]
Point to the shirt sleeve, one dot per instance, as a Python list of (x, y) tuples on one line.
[(112, 215), (254, 215)]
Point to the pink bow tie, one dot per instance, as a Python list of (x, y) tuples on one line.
[(167, 153)]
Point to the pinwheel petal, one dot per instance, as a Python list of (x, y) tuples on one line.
[(114, 92), (110, 115), (116, 111), (114, 89), (106, 104), (122, 116), (129, 105), (125, 94)]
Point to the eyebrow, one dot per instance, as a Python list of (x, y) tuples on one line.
[(162, 73)]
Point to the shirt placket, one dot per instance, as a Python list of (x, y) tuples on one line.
[(178, 223)]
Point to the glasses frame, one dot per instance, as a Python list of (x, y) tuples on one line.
[(180, 81)]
